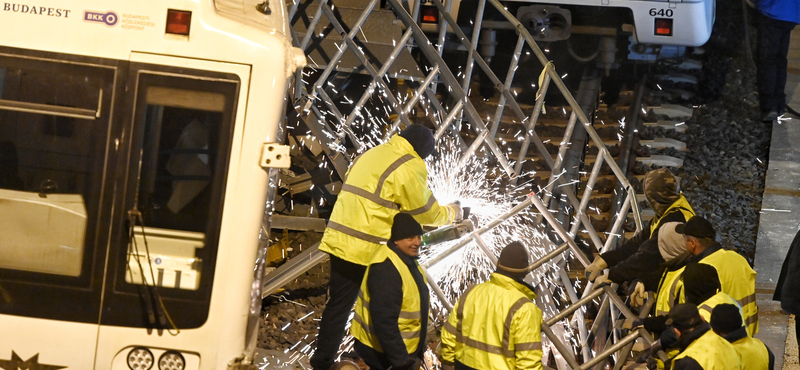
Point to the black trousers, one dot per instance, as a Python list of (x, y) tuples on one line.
[(343, 287), (771, 62)]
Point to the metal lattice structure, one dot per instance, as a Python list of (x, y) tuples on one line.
[(405, 78)]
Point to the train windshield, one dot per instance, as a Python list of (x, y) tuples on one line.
[(115, 172)]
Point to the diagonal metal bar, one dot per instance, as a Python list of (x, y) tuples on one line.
[(312, 25), (491, 225), (380, 74), (334, 110), (430, 53), (354, 48), (587, 194), (530, 124), (620, 218), (450, 117), (445, 125), (471, 53), (437, 290), (418, 93), (322, 133), (578, 316), (512, 68), (559, 229), (562, 149), (565, 353), (349, 35)]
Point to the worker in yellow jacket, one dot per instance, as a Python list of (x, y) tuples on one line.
[(636, 257), (495, 325), (391, 316), (700, 348), (736, 277), (701, 287), (384, 181), (727, 323)]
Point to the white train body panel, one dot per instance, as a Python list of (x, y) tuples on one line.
[(225, 39), (693, 20)]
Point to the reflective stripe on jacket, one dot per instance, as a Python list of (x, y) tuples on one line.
[(671, 284), (409, 320), (387, 179), (753, 353), (494, 326), (681, 205), (708, 305), (712, 352), (738, 280)]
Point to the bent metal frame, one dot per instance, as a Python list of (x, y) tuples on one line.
[(318, 23)]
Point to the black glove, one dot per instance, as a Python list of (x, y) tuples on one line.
[(668, 338), (655, 324), (652, 363)]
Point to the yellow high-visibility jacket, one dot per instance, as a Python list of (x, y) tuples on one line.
[(736, 277), (410, 319), (386, 180), (753, 353), (681, 205), (671, 284), (708, 305), (494, 326), (712, 352), (738, 280)]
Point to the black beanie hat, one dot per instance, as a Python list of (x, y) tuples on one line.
[(513, 256), (421, 138), (405, 226), (726, 318), (684, 316), (700, 282), (697, 227)]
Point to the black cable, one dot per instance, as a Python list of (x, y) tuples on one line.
[(150, 291)]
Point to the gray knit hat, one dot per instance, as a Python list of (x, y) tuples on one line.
[(670, 243)]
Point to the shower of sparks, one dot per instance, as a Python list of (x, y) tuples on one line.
[(351, 121), (480, 186)]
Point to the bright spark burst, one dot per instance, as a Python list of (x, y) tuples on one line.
[(479, 186)]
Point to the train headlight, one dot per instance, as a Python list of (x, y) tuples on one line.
[(140, 358), (171, 360)]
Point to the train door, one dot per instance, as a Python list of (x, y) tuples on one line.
[(56, 130), (181, 117)]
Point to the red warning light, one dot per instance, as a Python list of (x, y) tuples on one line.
[(429, 14), (178, 22), (663, 27)]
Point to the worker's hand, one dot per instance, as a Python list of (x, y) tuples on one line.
[(448, 367), (458, 213), (602, 281), (638, 295), (668, 338), (594, 269)]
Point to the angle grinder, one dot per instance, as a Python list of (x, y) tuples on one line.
[(450, 232)]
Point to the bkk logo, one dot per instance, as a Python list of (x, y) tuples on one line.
[(110, 18)]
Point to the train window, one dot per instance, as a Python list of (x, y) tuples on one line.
[(52, 150), (183, 166)]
